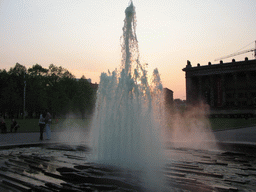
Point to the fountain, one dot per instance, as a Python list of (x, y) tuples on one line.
[(125, 128)]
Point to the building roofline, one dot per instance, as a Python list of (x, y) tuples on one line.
[(221, 64)]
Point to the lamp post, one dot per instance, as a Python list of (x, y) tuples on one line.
[(24, 106)]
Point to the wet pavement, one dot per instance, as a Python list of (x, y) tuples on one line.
[(28, 164), (63, 167), (241, 135), (13, 139)]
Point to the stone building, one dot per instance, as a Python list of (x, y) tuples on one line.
[(223, 86), (168, 97)]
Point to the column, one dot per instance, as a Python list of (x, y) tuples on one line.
[(189, 90), (223, 89), (235, 89), (211, 92), (248, 96), (200, 88)]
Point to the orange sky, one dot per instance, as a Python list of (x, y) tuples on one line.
[(84, 37)]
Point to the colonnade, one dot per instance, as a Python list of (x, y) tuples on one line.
[(222, 85)]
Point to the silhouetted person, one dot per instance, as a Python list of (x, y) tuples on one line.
[(14, 125), (3, 125), (48, 119), (42, 125)]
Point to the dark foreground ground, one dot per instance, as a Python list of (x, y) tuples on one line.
[(60, 164)]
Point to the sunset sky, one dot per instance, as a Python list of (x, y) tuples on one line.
[(83, 36)]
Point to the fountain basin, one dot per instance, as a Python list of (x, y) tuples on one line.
[(66, 168)]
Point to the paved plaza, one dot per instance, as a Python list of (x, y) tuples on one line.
[(190, 170), (242, 135), (9, 139)]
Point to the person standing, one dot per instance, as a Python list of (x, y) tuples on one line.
[(14, 125), (42, 124), (2, 125), (48, 119)]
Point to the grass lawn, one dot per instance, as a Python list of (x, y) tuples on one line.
[(31, 125), (230, 123)]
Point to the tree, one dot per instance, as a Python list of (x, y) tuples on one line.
[(15, 90), (84, 98), (18, 70), (60, 89), (37, 70), (4, 82), (36, 90), (54, 88)]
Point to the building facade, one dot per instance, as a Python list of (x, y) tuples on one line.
[(168, 97), (222, 86)]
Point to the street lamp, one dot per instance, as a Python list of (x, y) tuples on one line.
[(24, 108)]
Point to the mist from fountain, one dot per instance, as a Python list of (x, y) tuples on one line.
[(192, 129), (126, 124)]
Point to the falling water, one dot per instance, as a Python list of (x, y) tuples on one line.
[(125, 128)]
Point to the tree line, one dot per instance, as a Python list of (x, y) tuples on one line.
[(36, 89)]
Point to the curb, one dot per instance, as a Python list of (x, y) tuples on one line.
[(22, 145), (233, 128), (35, 144), (245, 147)]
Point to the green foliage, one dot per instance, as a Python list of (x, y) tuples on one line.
[(18, 70), (84, 98), (36, 90), (37, 71), (231, 123), (55, 89), (12, 86)]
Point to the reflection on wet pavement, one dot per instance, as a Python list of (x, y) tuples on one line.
[(65, 168)]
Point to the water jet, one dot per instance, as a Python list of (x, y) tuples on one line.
[(125, 128)]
